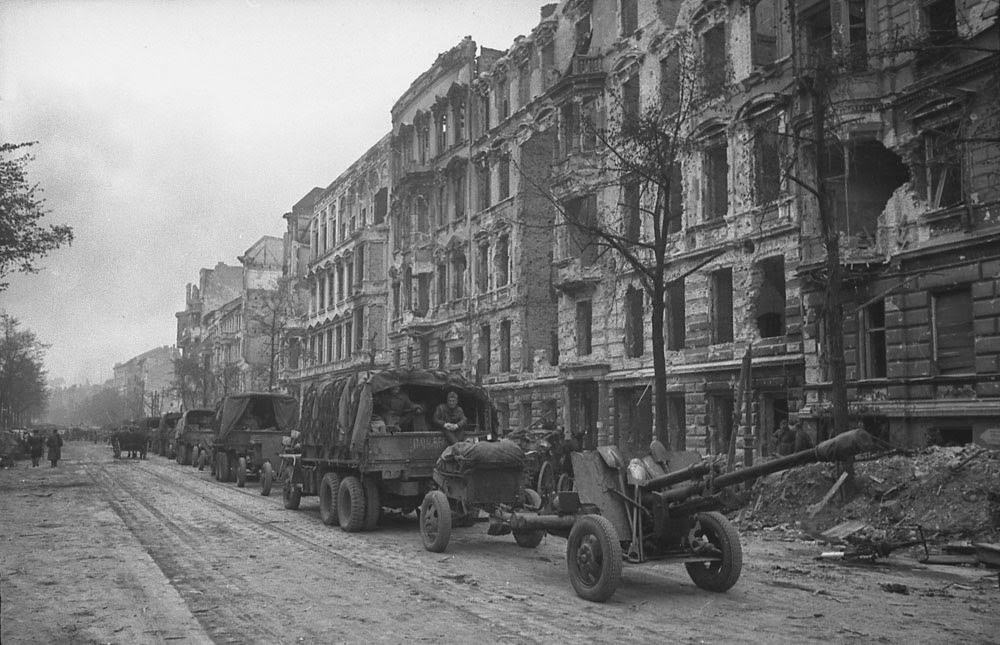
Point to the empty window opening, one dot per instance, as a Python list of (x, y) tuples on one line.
[(503, 417), (549, 414), (940, 21), (425, 353), (634, 328), (631, 220), (670, 84), (765, 32), (505, 346), (863, 174), (381, 205), (483, 268), (442, 141), (502, 261), (676, 423), (583, 35), (940, 167), (553, 348), (713, 60), (634, 420), (629, 16), (952, 332), (442, 354), (485, 349), (720, 422), (722, 306), (584, 320), (524, 85), (581, 220), (526, 414), (675, 323), (857, 31), (716, 194), (548, 64), (503, 168), (458, 276), (871, 324), (949, 436), (458, 194), (423, 294), (456, 355), (817, 35), (483, 185), (630, 101), (770, 300), (767, 163), (442, 283)]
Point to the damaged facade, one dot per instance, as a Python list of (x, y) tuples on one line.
[(446, 246)]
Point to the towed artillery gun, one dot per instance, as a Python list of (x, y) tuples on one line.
[(661, 508)]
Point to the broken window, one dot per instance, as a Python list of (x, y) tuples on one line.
[(871, 334), (524, 84), (583, 327), (670, 83), (458, 275), (505, 346), (483, 184), (456, 355), (676, 423), (634, 327), (458, 187), (630, 102), (484, 109), (857, 31), (940, 21), (713, 60), (502, 261), (583, 35), (862, 175), (423, 217), (817, 35), (442, 204), (716, 193), (408, 289), (504, 171), (581, 220), (484, 349), (458, 119), (424, 142), (442, 283), (395, 300), (722, 306), (675, 323), (483, 268), (359, 328), (767, 162), (633, 419), (442, 132), (381, 205), (952, 331), (765, 32), (628, 16), (423, 294), (503, 98), (940, 167), (770, 301), (631, 221), (553, 348), (720, 421)]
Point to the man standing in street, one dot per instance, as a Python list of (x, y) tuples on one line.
[(36, 447), (54, 443)]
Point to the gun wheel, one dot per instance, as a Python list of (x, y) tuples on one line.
[(435, 521), (715, 535), (594, 558)]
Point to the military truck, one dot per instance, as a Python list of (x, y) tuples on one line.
[(359, 456), (249, 439), (193, 436), (163, 437)]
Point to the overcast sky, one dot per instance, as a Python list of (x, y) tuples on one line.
[(172, 135)]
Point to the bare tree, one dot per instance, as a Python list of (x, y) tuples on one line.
[(23, 391)]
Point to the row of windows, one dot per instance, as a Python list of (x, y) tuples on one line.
[(333, 226), (335, 286), (338, 342)]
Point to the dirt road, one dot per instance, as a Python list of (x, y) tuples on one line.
[(101, 550)]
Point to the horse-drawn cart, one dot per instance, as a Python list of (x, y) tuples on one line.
[(130, 440)]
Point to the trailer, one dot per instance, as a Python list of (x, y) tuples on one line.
[(360, 455), (250, 430)]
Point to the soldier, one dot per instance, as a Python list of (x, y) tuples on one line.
[(54, 443), (36, 447), (450, 419)]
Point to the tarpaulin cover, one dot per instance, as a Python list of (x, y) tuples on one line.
[(467, 455), (285, 408), (386, 379)]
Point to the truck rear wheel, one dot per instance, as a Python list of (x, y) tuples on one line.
[(266, 478), (291, 495), (435, 521), (329, 490), (241, 473), (373, 504), (351, 504), (594, 558), (714, 532)]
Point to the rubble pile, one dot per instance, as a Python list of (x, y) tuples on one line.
[(952, 492)]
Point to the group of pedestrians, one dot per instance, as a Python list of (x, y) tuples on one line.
[(37, 445)]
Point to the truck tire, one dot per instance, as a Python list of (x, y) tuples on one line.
[(179, 455), (266, 478), (546, 484), (594, 558), (241, 473), (718, 575), (291, 495), (435, 521), (329, 491), (195, 455), (351, 504), (373, 504)]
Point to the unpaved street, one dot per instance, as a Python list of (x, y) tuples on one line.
[(99, 550)]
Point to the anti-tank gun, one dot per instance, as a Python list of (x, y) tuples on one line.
[(663, 507)]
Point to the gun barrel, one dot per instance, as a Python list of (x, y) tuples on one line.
[(694, 471)]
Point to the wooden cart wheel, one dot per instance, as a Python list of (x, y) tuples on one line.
[(351, 504), (373, 503), (435, 521), (546, 484), (714, 532), (266, 478), (594, 558), (291, 495), (329, 488), (241, 473)]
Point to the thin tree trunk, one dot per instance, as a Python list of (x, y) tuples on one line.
[(660, 372)]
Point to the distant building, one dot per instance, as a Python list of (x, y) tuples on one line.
[(146, 383)]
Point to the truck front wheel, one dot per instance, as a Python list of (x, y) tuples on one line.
[(329, 489)]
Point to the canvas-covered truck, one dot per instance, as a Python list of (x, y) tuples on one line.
[(193, 436), (249, 439), (368, 442)]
